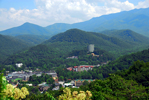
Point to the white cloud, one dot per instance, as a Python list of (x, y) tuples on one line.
[(63, 11), (143, 4), (12, 10), (119, 5)]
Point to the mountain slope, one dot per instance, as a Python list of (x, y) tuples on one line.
[(33, 39), (127, 35), (136, 23), (61, 44), (10, 45), (26, 28), (53, 52), (74, 39), (123, 62), (82, 37)]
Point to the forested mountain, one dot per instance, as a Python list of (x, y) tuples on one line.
[(45, 58), (59, 46), (53, 52), (33, 39), (84, 38), (76, 39), (127, 35), (10, 45), (26, 28)]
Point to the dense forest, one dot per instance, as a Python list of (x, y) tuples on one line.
[(33, 39), (56, 49), (122, 78), (10, 45), (33, 59)]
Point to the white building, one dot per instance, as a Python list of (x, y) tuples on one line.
[(19, 64)]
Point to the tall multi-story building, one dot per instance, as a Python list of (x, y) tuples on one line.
[(91, 48)]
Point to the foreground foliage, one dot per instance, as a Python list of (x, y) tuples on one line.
[(74, 95), (116, 88), (9, 92), (139, 72)]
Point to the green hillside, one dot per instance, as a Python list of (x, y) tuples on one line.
[(124, 62), (138, 72), (53, 52), (58, 47), (127, 35), (10, 45), (79, 37), (45, 58), (33, 39)]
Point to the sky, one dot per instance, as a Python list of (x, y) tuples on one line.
[(14, 13)]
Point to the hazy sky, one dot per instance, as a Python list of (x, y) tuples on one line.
[(46, 12)]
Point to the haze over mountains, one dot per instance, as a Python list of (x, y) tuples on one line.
[(136, 20)]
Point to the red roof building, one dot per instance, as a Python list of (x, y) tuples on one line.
[(75, 66), (69, 68)]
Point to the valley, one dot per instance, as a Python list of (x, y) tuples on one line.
[(107, 55)]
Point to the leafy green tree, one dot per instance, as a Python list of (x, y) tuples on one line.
[(50, 81), (85, 82), (138, 72), (117, 88), (61, 78)]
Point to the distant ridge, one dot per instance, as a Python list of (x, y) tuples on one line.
[(136, 20), (26, 28)]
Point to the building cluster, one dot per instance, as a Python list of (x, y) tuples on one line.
[(24, 75), (81, 68)]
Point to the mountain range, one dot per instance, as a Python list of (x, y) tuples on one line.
[(136, 20), (60, 45)]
